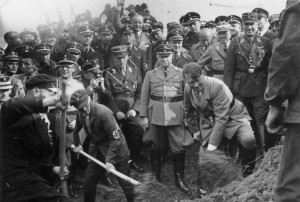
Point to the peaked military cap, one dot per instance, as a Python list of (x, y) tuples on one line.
[(221, 18), (210, 24), (74, 47), (127, 29), (233, 18), (43, 48), (90, 65), (273, 18), (191, 17), (261, 12), (126, 20), (105, 29), (68, 59), (119, 51), (172, 25), (86, 29), (157, 25), (11, 35), (223, 27), (5, 83), (79, 99), (11, 56), (50, 31), (25, 51), (28, 31), (175, 34), (42, 81), (181, 20), (81, 18), (164, 50), (249, 17)]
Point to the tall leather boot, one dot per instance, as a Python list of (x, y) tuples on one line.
[(248, 161), (262, 135), (134, 154), (155, 161), (179, 162)]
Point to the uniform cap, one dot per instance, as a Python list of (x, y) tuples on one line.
[(223, 27), (90, 65), (81, 18), (127, 29), (273, 18), (79, 99), (105, 29), (176, 34), (191, 17), (210, 24), (11, 56), (85, 29), (126, 20), (250, 17), (172, 25), (24, 51), (11, 35), (164, 50), (68, 59), (261, 12), (221, 18), (157, 25), (119, 51), (48, 32), (5, 83), (234, 18), (42, 81), (43, 48), (27, 31), (74, 47)]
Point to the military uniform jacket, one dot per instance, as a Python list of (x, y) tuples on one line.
[(197, 51), (48, 69), (190, 39), (220, 114), (91, 54), (125, 96), (181, 60), (138, 57), (236, 67), (142, 41), (104, 132), (155, 83), (105, 52)]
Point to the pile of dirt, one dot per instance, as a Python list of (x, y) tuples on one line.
[(257, 187)]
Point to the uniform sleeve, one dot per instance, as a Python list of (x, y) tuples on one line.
[(230, 63), (144, 65), (284, 68), (137, 93), (190, 112), (111, 104), (77, 128), (114, 133), (221, 105), (145, 95)]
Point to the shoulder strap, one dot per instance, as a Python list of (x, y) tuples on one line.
[(119, 81), (239, 45)]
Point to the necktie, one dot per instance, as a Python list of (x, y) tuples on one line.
[(225, 50), (165, 72)]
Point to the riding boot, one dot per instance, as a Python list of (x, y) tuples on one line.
[(155, 160), (248, 161), (262, 136), (134, 154), (179, 162)]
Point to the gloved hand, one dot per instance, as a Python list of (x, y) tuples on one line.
[(109, 167), (131, 114), (120, 115), (145, 122), (196, 136), (211, 147)]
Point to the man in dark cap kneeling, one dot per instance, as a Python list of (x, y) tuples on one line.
[(107, 144), (27, 142)]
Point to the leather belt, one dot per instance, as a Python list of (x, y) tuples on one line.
[(166, 99), (221, 72), (250, 71), (123, 95), (72, 112)]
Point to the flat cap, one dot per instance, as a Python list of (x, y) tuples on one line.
[(86, 29), (90, 65), (74, 47), (223, 27), (164, 50), (273, 18), (233, 19), (79, 99), (249, 17), (261, 12), (119, 51), (5, 83), (127, 29), (42, 81), (68, 59), (11, 56), (191, 17), (43, 48), (175, 34), (221, 18)]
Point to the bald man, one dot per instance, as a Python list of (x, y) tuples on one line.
[(199, 48), (142, 39)]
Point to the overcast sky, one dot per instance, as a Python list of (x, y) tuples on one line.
[(19, 14)]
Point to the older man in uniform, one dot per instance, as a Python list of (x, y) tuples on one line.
[(245, 73), (175, 38), (124, 83), (198, 49), (107, 144), (26, 142), (236, 25), (191, 19), (163, 116), (216, 53), (263, 28)]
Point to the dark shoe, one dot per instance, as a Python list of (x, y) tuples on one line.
[(155, 160), (134, 166), (109, 181), (180, 183)]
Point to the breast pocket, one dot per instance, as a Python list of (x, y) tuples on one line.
[(218, 64), (155, 83), (177, 83)]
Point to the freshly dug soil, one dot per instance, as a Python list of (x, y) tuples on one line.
[(257, 187)]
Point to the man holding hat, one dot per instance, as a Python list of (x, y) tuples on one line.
[(86, 35), (124, 83), (245, 73), (263, 27), (5, 89), (236, 25), (162, 114), (216, 53), (46, 65), (175, 38), (136, 56), (27, 142), (192, 19)]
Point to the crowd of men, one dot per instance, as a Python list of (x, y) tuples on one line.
[(130, 88)]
